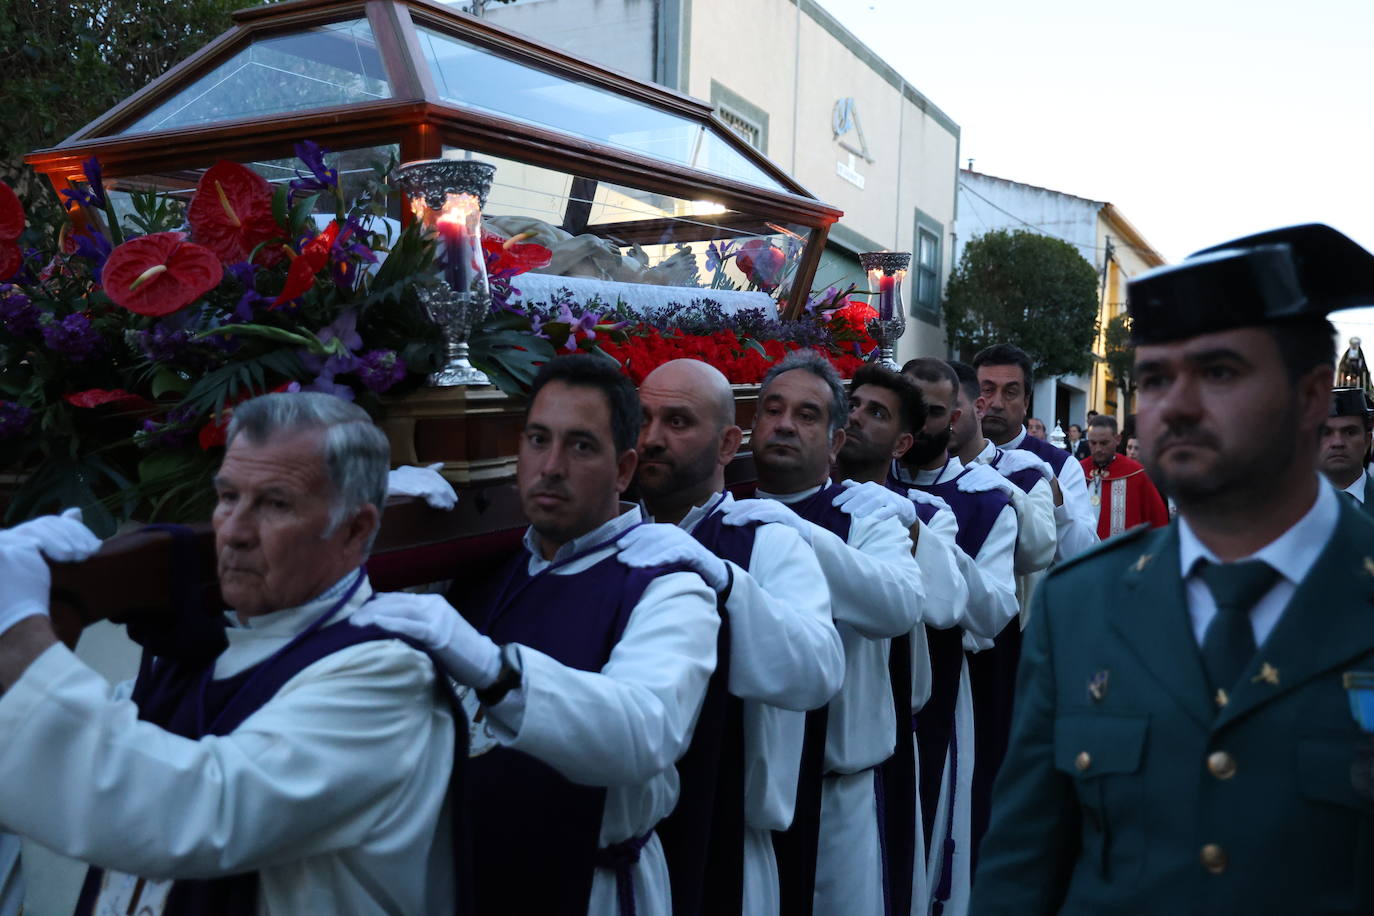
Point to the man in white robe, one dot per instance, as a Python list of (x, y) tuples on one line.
[(588, 667), (329, 795), (785, 654)]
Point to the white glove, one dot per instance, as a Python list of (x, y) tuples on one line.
[(471, 658), (25, 580), (873, 500), (928, 499), (1018, 459), (980, 478), (764, 512), (425, 482), (61, 537), (659, 545)]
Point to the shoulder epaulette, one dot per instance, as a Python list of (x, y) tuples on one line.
[(1102, 547)]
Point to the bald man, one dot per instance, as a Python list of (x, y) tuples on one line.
[(784, 654)]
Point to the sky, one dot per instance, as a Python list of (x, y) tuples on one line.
[(1201, 120)]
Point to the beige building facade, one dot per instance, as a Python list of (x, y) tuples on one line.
[(793, 82)]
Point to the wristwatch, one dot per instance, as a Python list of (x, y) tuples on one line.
[(507, 679)]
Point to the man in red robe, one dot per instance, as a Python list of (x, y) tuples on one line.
[(1118, 487)]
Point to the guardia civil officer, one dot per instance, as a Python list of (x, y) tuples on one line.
[(1182, 741), (1344, 446)]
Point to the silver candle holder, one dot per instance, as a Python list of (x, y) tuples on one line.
[(886, 271), (447, 195)]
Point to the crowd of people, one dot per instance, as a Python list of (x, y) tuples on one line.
[(931, 664)]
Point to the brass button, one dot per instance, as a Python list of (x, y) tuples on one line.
[(1221, 765), (1213, 858), (1083, 761)]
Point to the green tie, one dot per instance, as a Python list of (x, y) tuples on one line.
[(1229, 643)]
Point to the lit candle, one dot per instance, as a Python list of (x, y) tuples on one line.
[(887, 295), (459, 226)]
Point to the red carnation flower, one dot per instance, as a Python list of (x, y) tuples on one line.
[(160, 273)]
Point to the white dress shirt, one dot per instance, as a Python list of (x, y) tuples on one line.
[(332, 791), (625, 726), (1356, 489), (1292, 553)]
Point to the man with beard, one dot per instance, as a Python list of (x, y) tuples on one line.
[(876, 593), (1183, 743), (588, 659), (1118, 486), (784, 654), (1345, 438), (884, 410), (1004, 379), (987, 533)]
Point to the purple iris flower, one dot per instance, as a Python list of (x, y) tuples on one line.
[(18, 315), (587, 324), (251, 300), (342, 253), (380, 369), (321, 177), (14, 419), (94, 247), (343, 329), (93, 195), (72, 336), (717, 253)]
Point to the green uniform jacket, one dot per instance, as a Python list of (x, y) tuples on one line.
[(1368, 504), (1126, 791)]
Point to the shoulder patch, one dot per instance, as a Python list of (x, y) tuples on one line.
[(1112, 543)]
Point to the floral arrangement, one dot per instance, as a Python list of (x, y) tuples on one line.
[(123, 351)]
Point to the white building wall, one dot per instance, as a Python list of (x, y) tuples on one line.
[(614, 33)]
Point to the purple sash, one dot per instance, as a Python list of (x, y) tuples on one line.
[(536, 834), (797, 846), (703, 839), (185, 699)]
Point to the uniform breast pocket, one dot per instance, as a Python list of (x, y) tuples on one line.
[(1338, 821), (1103, 754)]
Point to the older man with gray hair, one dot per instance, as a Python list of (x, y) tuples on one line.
[(304, 768)]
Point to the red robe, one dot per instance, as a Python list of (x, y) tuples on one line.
[(1124, 496)]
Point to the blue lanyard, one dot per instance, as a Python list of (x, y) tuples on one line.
[(262, 667)]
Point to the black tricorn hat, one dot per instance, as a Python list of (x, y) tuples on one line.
[(1349, 402), (1292, 274)]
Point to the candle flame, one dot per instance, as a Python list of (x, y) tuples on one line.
[(459, 210)]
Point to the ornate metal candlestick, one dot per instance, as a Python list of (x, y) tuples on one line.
[(448, 195), (886, 270)]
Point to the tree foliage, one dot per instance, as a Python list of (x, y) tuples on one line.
[(1031, 290), (1119, 354), (66, 63)]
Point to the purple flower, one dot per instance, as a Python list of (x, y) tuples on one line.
[(94, 247), (380, 369), (93, 195), (18, 315), (344, 329), (72, 336), (321, 178), (251, 300), (14, 418), (342, 253), (717, 253), (326, 385), (175, 431)]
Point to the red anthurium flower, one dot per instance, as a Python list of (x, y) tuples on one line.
[(102, 397), (11, 227), (231, 214), (160, 273), (312, 259), (761, 261), (509, 257)]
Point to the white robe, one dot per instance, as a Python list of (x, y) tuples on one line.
[(334, 791), (876, 593), (1037, 532), (785, 658), (991, 605), (625, 726), (1076, 520)]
